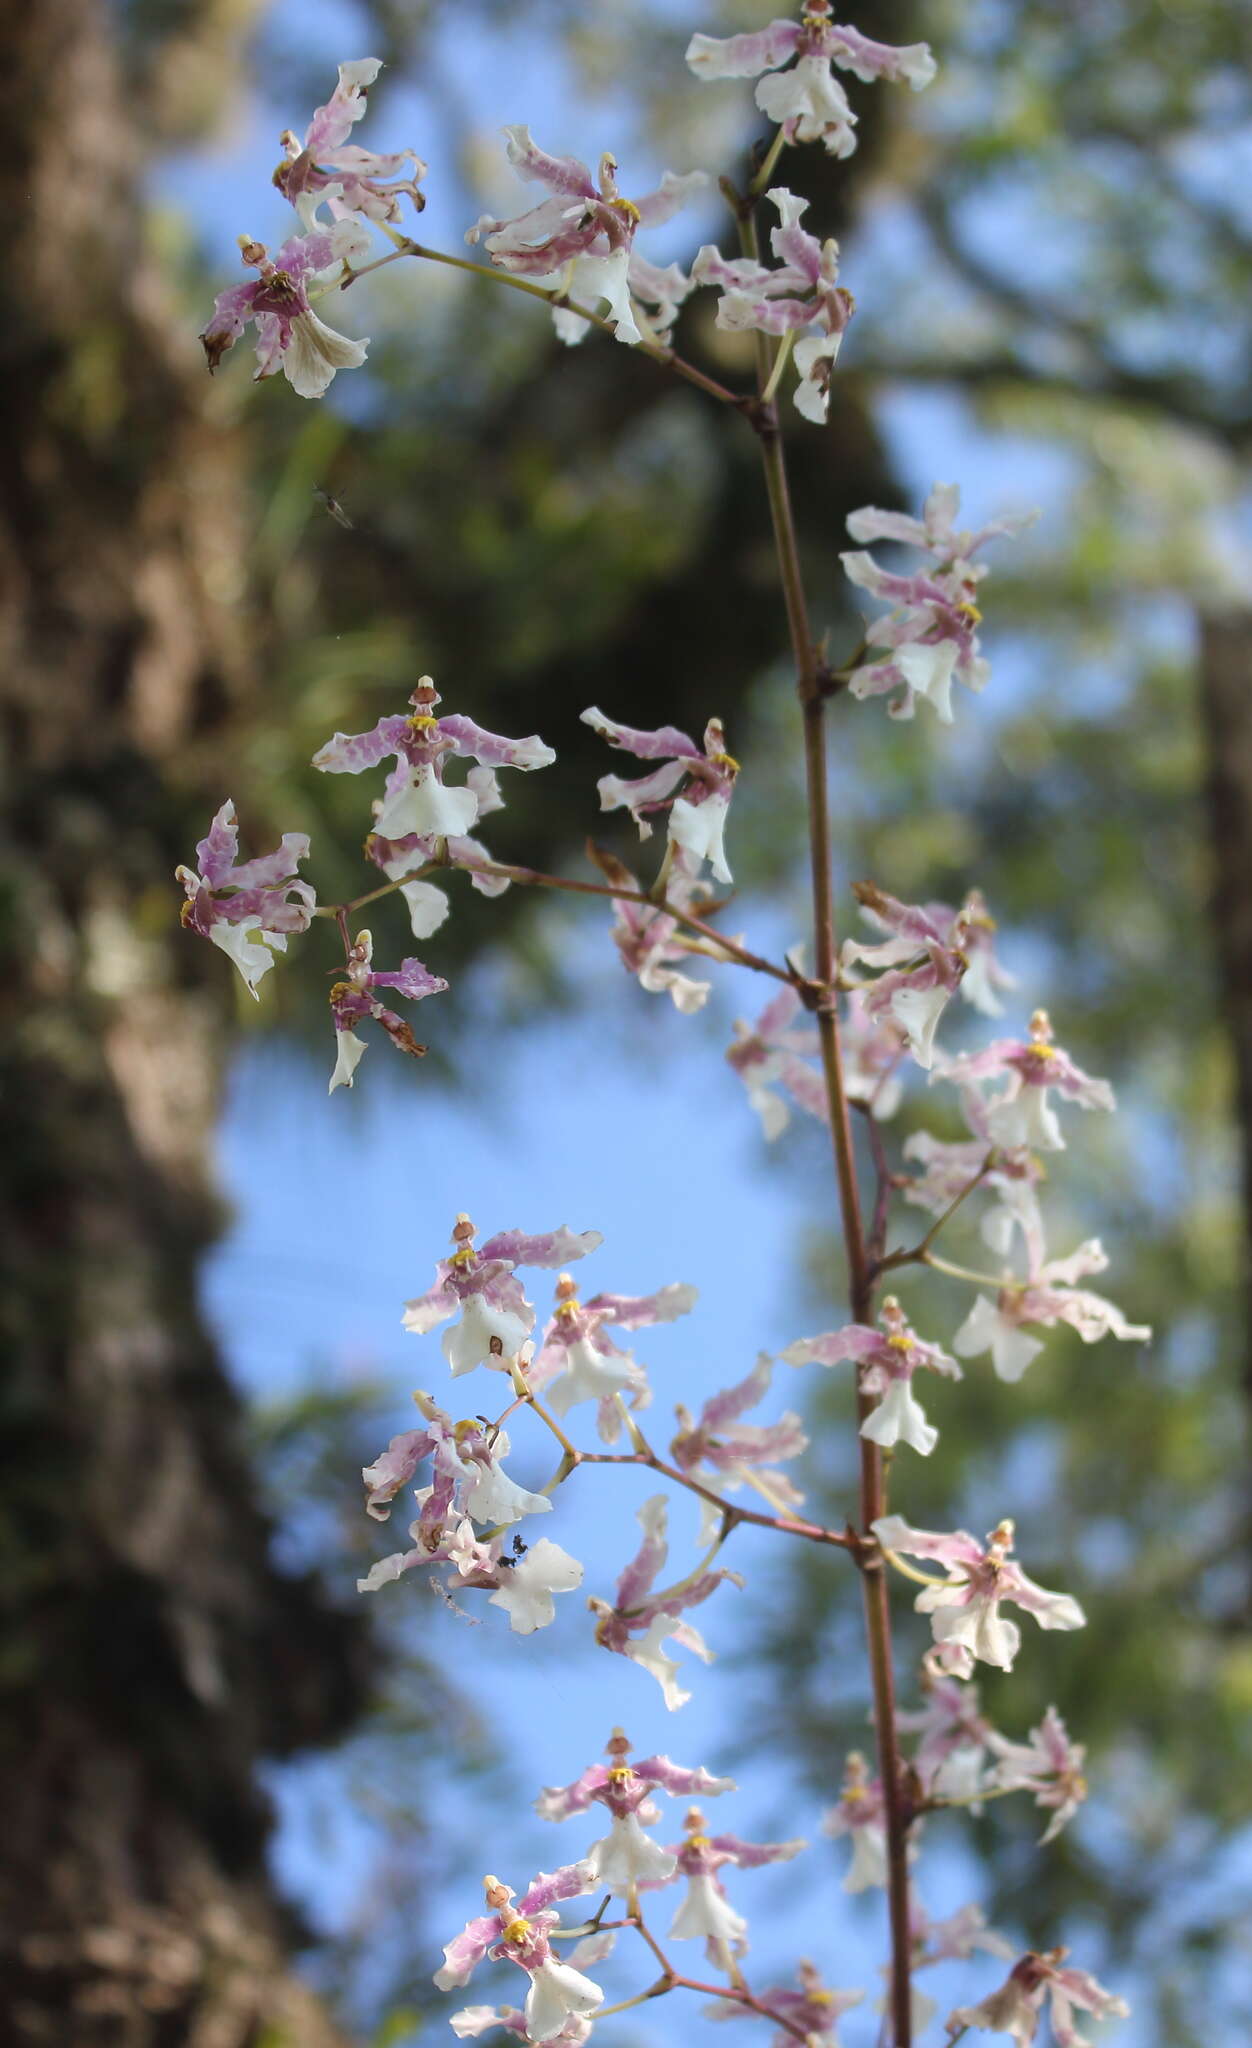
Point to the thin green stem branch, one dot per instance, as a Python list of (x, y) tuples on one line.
[(782, 357), (963, 1272), (768, 164)]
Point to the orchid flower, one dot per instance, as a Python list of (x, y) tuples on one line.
[(519, 1934), (495, 1316), (1016, 2007), (655, 1618), (769, 1058), (964, 1610), (626, 1856), (802, 292), (930, 633), (579, 1361), (353, 1001), (580, 241), (290, 336), (725, 1452), (886, 1360), (327, 169), (807, 100), (246, 908), (416, 800), (814, 2009), (697, 817), (1049, 1296)]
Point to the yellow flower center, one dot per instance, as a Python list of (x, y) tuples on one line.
[(518, 1930), (726, 762), (1041, 1050), (967, 609), (899, 1342), (421, 721), (464, 1256), (626, 206)]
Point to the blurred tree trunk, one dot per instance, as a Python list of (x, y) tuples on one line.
[(152, 1651), (1226, 694)]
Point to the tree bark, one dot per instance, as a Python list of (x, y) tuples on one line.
[(153, 1652)]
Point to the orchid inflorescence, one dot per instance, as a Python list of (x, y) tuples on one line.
[(852, 1031)]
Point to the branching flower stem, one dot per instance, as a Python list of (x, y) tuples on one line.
[(533, 878), (786, 1525), (671, 1980), (658, 351), (812, 692), (919, 1254)]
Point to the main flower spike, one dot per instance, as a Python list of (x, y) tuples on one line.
[(247, 908), (327, 169), (415, 798), (722, 1451), (860, 1815), (496, 1317), (519, 1934), (290, 337), (581, 241), (769, 1058), (1047, 1297), (808, 102), (803, 292), (1016, 2007), (886, 1360), (353, 1001), (965, 1611), (697, 818), (814, 2010), (706, 1910), (1021, 1114), (655, 1617), (931, 631), (626, 1857), (579, 1362)]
